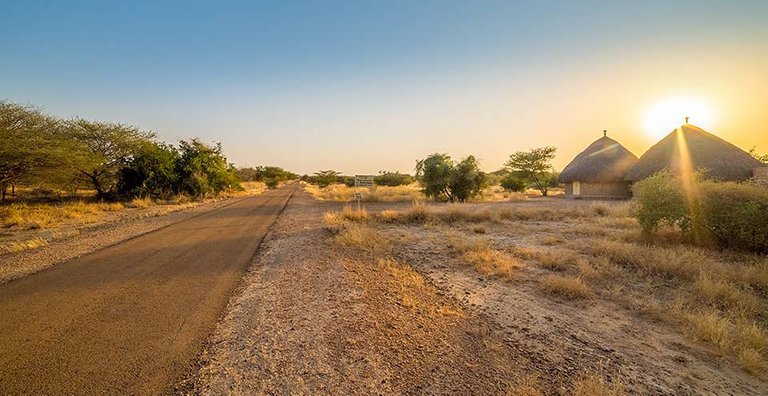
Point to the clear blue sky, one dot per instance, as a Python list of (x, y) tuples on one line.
[(361, 86)]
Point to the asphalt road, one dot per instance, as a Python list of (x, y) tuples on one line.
[(129, 319)]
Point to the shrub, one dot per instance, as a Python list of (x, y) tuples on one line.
[(392, 179), (729, 214), (442, 178), (736, 215), (271, 182), (660, 201), (513, 183)]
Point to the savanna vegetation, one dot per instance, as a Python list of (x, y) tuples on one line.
[(114, 160)]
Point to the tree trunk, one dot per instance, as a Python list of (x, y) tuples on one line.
[(13, 190), (4, 188)]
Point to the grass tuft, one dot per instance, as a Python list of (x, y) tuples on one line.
[(566, 286)]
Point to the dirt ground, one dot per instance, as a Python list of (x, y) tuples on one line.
[(313, 317)]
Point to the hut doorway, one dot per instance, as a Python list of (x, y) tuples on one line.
[(576, 188)]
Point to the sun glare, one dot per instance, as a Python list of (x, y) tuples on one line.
[(670, 113)]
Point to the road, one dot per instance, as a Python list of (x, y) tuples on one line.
[(130, 318)]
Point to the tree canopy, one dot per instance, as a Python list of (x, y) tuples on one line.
[(534, 166), (443, 178)]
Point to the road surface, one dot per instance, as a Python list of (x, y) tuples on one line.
[(130, 318)]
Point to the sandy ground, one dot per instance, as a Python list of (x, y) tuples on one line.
[(316, 318)]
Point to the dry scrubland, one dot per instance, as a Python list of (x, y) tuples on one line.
[(410, 193), (582, 256), (28, 224)]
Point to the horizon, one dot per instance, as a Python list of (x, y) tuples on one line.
[(360, 88)]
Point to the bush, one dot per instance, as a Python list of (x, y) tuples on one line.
[(736, 215), (513, 183), (271, 182), (660, 201), (730, 215), (392, 179), (442, 178)]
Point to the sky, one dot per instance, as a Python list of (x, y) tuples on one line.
[(364, 86)]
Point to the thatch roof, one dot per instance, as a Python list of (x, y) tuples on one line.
[(720, 159), (603, 161)]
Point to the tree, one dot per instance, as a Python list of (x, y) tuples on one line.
[(442, 178), (534, 166), (392, 179), (151, 172), (511, 182), (111, 147), (203, 169), (34, 148), (325, 178)]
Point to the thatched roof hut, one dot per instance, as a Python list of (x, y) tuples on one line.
[(720, 159), (599, 171)]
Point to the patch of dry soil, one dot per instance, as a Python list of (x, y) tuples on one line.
[(312, 318)]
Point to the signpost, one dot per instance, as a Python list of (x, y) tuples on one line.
[(362, 181)]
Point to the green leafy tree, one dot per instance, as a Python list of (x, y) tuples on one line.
[(511, 182), (535, 167), (325, 178), (442, 178), (203, 169), (151, 172), (110, 147), (392, 179)]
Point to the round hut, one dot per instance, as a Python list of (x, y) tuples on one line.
[(599, 171), (692, 148)]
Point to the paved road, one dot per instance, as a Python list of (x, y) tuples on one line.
[(130, 318)]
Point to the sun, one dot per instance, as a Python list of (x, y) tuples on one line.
[(665, 116)]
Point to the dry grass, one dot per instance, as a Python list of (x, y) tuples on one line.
[(527, 386), (550, 240), (725, 295), (566, 286), (37, 216), (363, 237), (412, 288), (596, 385), (343, 193), (710, 327), (356, 214), (19, 246), (481, 255), (557, 260)]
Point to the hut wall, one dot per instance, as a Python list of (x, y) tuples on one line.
[(761, 176), (600, 190)]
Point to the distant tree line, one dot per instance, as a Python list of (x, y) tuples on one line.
[(325, 178), (272, 176), (443, 178), (115, 160)]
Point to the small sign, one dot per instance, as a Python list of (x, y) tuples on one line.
[(358, 195), (363, 180)]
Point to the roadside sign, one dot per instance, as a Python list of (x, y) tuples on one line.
[(363, 180), (358, 195)]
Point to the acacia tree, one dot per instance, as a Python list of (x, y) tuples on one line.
[(442, 178), (111, 146), (534, 166), (34, 148), (326, 177)]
